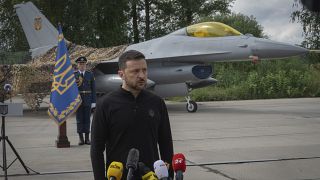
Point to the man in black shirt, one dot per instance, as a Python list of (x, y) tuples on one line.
[(130, 117)]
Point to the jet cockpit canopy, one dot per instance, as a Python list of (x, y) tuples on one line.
[(211, 29)]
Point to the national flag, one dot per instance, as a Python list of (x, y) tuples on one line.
[(64, 98)]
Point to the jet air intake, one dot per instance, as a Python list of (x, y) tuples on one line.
[(109, 82), (177, 74), (202, 71)]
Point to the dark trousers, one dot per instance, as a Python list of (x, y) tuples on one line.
[(83, 119)]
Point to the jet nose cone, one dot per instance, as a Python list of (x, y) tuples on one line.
[(264, 48)]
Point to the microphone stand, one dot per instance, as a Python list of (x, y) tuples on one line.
[(4, 139)]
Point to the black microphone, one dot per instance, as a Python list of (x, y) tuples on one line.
[(143, 169), (132, 161)]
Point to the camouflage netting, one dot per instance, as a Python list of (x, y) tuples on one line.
[(33, 80), (94, 55)]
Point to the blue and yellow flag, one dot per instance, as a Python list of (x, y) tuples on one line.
[(64, 98)]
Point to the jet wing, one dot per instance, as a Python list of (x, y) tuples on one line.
[(194, 58)]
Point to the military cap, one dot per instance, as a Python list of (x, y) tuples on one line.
[(81, 59)]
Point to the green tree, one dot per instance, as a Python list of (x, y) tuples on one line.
[(95, 23), (310, 22), (157, 18), (147, 10), (190, 11), (11, 33), (109, 22), (244, 24), (135, 20), (100, 23)]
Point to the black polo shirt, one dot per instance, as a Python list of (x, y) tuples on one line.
[(122, 122)]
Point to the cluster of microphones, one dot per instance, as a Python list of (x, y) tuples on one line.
[(115, 169)]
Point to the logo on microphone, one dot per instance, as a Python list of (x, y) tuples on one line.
[(178, 161), (115, 166), (151, 113)]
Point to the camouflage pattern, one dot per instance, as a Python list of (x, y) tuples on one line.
[(33, 80)]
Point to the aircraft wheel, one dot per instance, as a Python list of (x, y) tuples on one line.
[(191, 106)]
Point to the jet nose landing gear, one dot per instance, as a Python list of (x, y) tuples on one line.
[(191, 105)]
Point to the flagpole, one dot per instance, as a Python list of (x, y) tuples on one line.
[(64, 98), (62, 138)]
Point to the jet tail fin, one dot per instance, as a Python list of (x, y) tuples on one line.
[(40, 33)]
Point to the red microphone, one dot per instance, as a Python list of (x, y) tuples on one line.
[(179, 165)]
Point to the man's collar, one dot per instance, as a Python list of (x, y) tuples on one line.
[(82, 72), (124, 91)]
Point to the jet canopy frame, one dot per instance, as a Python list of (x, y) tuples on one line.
[(211, 29)]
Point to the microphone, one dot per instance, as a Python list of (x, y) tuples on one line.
[(179, 165), (7, 87), (132, 161), (115, 171), (146, 172), (161, 170)]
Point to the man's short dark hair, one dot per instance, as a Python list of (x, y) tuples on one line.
[(129, 55)]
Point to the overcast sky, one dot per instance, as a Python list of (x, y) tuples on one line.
[(274, 16)]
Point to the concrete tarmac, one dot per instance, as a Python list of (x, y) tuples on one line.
[(276, 139)]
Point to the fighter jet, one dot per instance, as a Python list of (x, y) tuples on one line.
[(177, 63)]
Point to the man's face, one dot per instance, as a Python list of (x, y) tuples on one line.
[(82, 66), (135, 74)]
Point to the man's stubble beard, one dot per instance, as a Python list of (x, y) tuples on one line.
[(135, 86)]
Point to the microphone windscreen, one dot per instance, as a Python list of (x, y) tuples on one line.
[(132, 159), (143, 169), (179, 162), (115, 170), (160, 169), (149, 176), (7, 87)]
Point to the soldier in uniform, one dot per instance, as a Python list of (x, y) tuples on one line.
[(86, 85)]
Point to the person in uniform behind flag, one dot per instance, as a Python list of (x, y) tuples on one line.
[(86, 85)]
